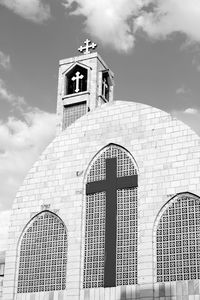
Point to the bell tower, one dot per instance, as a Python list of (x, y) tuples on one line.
[(84, 83)]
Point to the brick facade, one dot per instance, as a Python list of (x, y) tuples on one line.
[(166, 152)]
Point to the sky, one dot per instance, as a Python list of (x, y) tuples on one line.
[(152, 46)]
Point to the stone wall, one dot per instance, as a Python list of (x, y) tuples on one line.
[(167, 154), (1, 288)]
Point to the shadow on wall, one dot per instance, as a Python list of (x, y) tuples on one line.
[(159, 291)]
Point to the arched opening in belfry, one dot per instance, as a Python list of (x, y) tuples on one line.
[(76, 80)]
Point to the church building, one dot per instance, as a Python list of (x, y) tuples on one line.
[(111, 209)]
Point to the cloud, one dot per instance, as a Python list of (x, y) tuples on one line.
[(12, 99), (4, 61), (4, 225), (196, 58), (192, 111), (190, 116), (169, 16), (21, 143), (196, 63), (34, 10), (182, 90), (117, 22), (108, 20)]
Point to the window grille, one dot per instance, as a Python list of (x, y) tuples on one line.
[(126, 243), (178, 241), (43, 255), (126, 237), (73, 112), (95, 238)]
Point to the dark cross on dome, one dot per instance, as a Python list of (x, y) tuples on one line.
[(88, 45), (104, 87), (78, 77), (110, 185)]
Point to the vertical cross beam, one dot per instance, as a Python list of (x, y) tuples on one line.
[(111, 223)]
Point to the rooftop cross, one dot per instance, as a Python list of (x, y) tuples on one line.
[(88, 45)]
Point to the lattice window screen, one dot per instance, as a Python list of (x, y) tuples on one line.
[(95, 239), (73, 112), (43, 255), (178, 241), (126, 237), (126, 247)]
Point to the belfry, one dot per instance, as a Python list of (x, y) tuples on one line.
[(85, 83), (111, 209)]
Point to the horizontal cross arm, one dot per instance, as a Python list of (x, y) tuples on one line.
[(96, 187), (127, 182)]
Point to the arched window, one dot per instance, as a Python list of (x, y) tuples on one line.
[(43, 255), (178, 240), (111, 220)]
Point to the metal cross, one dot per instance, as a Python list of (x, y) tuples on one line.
[(87, 47), (104, 87), (77, 78), (110, 185)]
